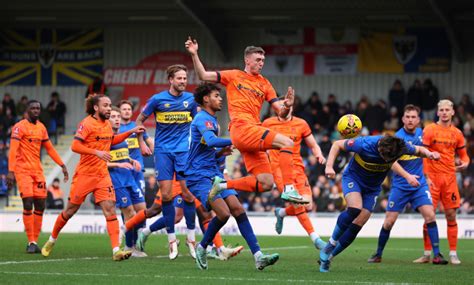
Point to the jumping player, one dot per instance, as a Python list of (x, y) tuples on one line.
[(92, 141), (298, 130), (24, 164), (246, 92)]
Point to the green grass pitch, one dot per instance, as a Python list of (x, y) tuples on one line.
[(86, 259)]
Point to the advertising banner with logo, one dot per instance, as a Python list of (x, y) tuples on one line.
[(310, 51), (410, 50), (53, 57)]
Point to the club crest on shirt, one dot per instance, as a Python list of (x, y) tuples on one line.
[(350, 142), (124, 199), (167, 105), (185, 104), (209, 125), (391, 204)]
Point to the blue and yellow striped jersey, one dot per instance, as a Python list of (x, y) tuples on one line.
[(173, 115)]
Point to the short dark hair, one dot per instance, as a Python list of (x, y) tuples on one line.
[(253, 49), (122, 102), (391, 148), (33, 101), (411, 107), (204, 89), (172, 69)]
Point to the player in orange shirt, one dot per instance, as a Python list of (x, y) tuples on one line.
[(92, 141), (246, 92), (449, 141), (24, 164), (298, 130)]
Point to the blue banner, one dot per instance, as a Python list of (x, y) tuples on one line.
[(56, 57)]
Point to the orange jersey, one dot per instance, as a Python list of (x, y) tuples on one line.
[(246, 94), (31, 136), (445, 140), (296, 129), (98, 135)]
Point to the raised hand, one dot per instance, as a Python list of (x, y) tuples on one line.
[(191, 45)]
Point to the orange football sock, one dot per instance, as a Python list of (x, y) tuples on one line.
[(290, 210), (38, 222), (58, 225), (286, 165), (304, 220), (135, 220), (113, 230), (452, 235), (246, 184), (29, 226), (426, 238)]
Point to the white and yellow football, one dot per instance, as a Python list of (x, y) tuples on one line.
[(349, 126)]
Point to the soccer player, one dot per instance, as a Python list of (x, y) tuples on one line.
[(128, 195), (246, 92), (361, 183), (298, 130), (126, 109), (202, 167), (446, 139), (92, 141), (174, 110), (159, 224), (24, 164), (403, 193)]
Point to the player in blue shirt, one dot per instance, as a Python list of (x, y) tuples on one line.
[(126, 109), (374, 156), (128, 195), (201, 169), (403, 193), (174, 110)]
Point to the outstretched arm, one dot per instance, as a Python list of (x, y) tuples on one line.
[(424, 152), (78, 147), (192, 47), (315, 149), (55, 156), (336, 147)]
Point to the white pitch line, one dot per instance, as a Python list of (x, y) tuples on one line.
[(210, 278), (46, 260)]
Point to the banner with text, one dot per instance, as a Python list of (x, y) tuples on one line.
[(53, 57)]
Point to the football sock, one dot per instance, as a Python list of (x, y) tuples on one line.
[(246, 184), (383, 238), (217, 239), (169, 214), (434, 237), (28, 222), (343, 222), (212, 229), (346, 239), (288, 211), (158, 225), (452, 235), (304, 220), (426, 239), (247, 232), (37, 222), (286, 165), (58, 225), (128, 235), (139, 218), (113, 230), (189, 210)]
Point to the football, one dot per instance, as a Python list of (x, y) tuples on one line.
[(349, 126)]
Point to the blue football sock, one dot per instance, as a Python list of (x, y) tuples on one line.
[(128, 235), (190, 215), (169, 215), (344, 221), (434, 237), (246, 231), (212, 229), (158, 225), (383, 238), (347, 238)]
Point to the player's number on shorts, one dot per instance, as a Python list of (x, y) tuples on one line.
[(428, 193)]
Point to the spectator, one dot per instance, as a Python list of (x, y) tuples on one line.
[(97, 86), (429, 99), (375, 117), (57, 112), (55, 199), (415, 93), (9, 104), (333, 104), (3, 160), (21, 107), (393, 122), (466, 103), (396, 96), (314, 103)]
